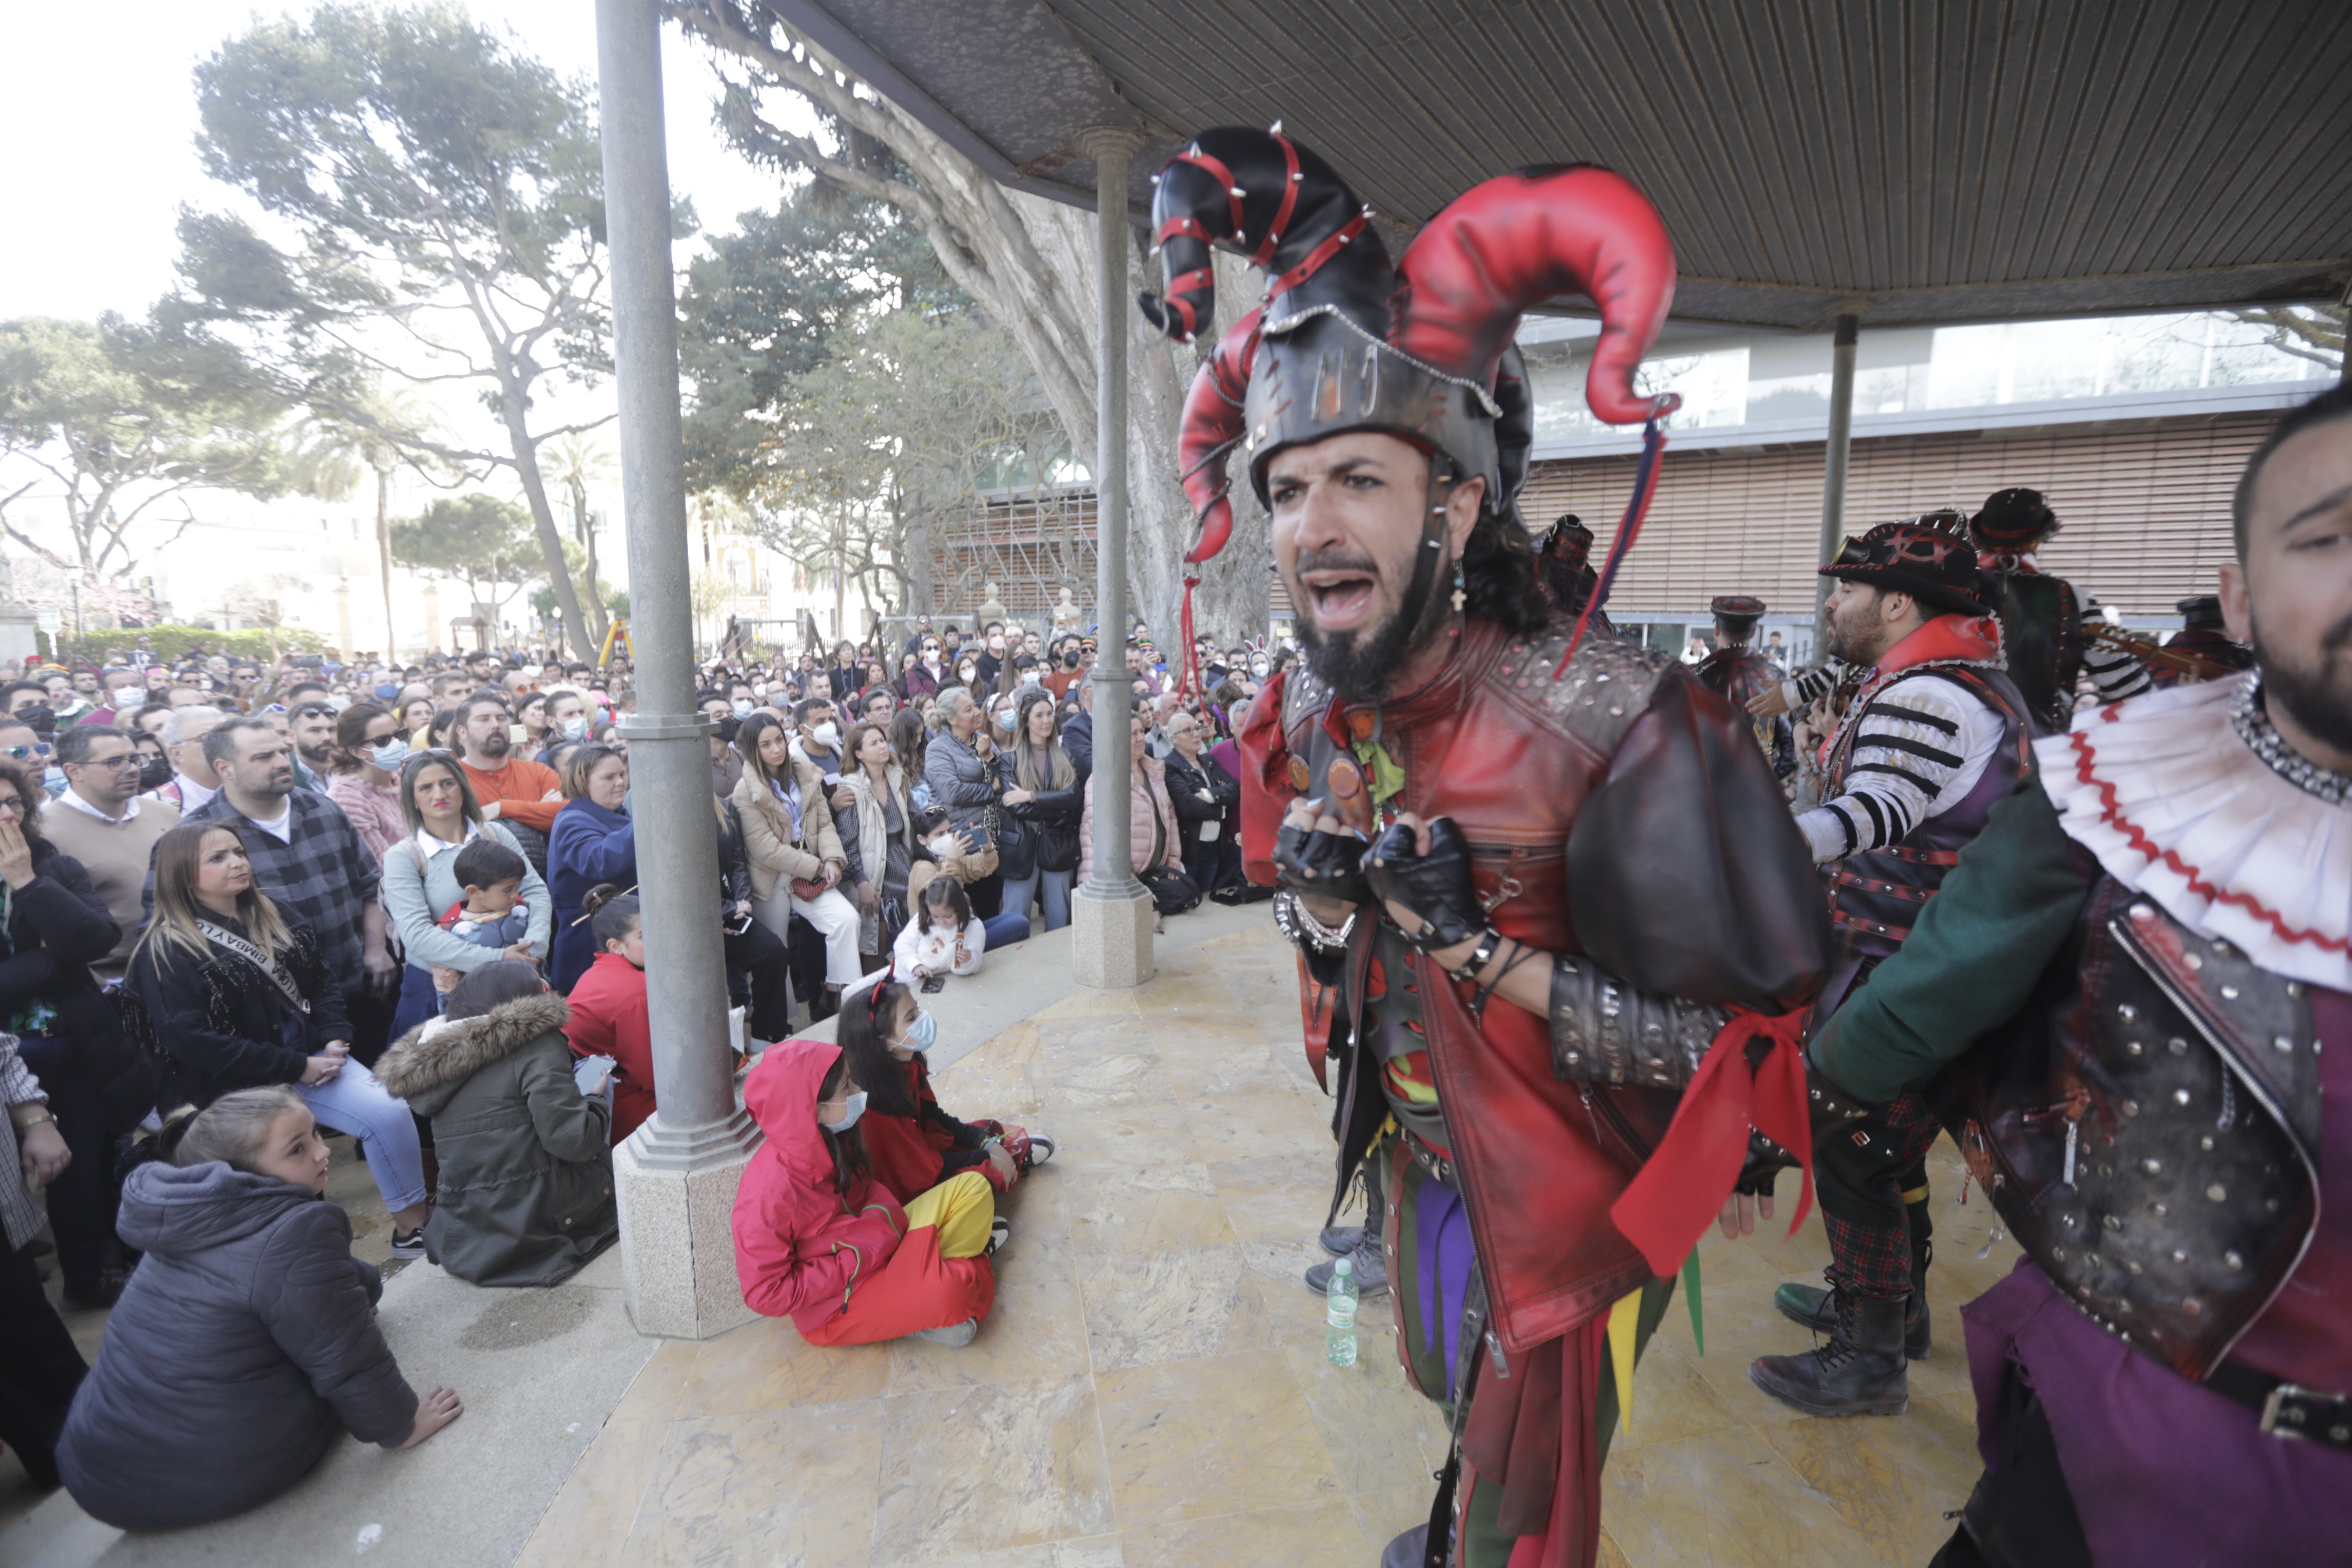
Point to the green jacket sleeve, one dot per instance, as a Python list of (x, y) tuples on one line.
[(1980, 946)]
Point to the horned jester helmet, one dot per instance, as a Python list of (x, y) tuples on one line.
[(1420, 348)]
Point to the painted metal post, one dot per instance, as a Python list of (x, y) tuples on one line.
[(669, 754), (1113, 942), (1834, 469)]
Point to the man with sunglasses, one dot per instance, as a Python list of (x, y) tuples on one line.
[(102, 822), (311, 726)]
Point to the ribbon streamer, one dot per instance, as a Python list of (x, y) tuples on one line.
[(1629, 528), (1682, 1186)]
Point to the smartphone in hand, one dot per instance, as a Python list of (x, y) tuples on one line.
[(933, 983)]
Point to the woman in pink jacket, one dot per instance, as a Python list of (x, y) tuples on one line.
[(819, 1240), (1152, 838)]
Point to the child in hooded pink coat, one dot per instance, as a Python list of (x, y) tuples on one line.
[(819, 1240)]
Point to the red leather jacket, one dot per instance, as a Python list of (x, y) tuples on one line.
[(1628, 816)]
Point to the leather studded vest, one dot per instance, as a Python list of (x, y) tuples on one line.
[(2149, 1129), (1875, 897)]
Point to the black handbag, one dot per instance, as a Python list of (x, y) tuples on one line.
[(1172, 892)]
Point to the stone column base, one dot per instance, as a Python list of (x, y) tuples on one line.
[(678, 1245), (1110, 938)]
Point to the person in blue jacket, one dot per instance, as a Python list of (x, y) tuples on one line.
[(594, 841)]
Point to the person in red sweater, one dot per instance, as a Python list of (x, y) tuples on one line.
[(914, 1144), (510, 789), (819, 1240), (608, 1005)]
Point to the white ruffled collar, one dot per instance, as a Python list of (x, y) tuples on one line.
[(2178, 809)]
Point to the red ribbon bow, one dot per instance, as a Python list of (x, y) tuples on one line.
[(1683, 1186)]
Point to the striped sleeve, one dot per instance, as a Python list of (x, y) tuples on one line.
[(1909, 744), (2115, 673), (1804, 691)]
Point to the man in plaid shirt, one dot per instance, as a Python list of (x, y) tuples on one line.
[(305, 853)]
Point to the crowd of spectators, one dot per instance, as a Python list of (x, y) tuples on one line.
[(243, 908)]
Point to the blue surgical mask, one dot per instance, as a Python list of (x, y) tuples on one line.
[(53, 779), (922, 1034), (853, 1108), (575, 726), (742, 707), (389, 752)]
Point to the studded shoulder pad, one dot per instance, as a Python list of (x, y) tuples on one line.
[(1305, 696), (1597, 697)]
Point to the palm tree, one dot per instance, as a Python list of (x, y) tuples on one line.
[(575, 461), (333, 449)]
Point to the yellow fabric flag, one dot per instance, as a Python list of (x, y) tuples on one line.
[(1624, 1325)]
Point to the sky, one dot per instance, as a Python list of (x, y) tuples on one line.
[(102, 128), (101, 123)]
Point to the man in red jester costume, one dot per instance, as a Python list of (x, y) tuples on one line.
[(1555, 925)]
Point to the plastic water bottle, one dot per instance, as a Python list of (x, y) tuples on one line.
[(1340, 1315)]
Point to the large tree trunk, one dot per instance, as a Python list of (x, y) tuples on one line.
[(1231, 602), (1029, 263), (542, 517), (585, 525)]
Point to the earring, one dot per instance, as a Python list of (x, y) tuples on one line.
[(1460, 598)]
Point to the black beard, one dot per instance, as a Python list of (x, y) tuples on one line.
[(496, 744), (2312, 697), (1357, 665)]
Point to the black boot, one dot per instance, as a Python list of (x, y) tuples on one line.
[(1816, 1309), (1861, 1371)]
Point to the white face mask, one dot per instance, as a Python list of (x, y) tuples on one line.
[(826, 735), (575, 726), (743, 705)]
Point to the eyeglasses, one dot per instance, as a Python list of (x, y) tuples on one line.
[(21, 753), (128, 760), (12, 804)]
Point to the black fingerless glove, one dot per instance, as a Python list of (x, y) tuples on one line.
[(1435, 886), (1325, 864)]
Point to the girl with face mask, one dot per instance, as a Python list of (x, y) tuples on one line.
[(822, 1239), (914, 1144)]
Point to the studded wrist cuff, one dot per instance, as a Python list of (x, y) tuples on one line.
[(1604, 1031)]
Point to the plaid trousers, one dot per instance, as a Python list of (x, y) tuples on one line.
[(1865, 1172)]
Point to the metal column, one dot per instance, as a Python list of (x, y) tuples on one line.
[(1841, 351), (669, 754), (1114, 688)]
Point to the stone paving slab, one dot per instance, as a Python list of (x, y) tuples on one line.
[(1151, 1389)]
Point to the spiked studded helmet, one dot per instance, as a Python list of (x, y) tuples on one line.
[(1419, 348)]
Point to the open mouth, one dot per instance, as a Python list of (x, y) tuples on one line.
[(1341, 599)]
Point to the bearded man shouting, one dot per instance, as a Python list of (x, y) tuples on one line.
[(1529, 876)]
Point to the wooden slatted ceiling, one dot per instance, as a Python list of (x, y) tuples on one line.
[(2145, 508)]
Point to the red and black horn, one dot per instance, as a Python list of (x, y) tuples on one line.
[(1531, 236), (1258, 194)]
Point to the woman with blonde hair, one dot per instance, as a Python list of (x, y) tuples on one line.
[(235, 996)]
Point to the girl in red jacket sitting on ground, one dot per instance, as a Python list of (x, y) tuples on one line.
[(819, 1240), (913, 1143), (608, 1005)]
